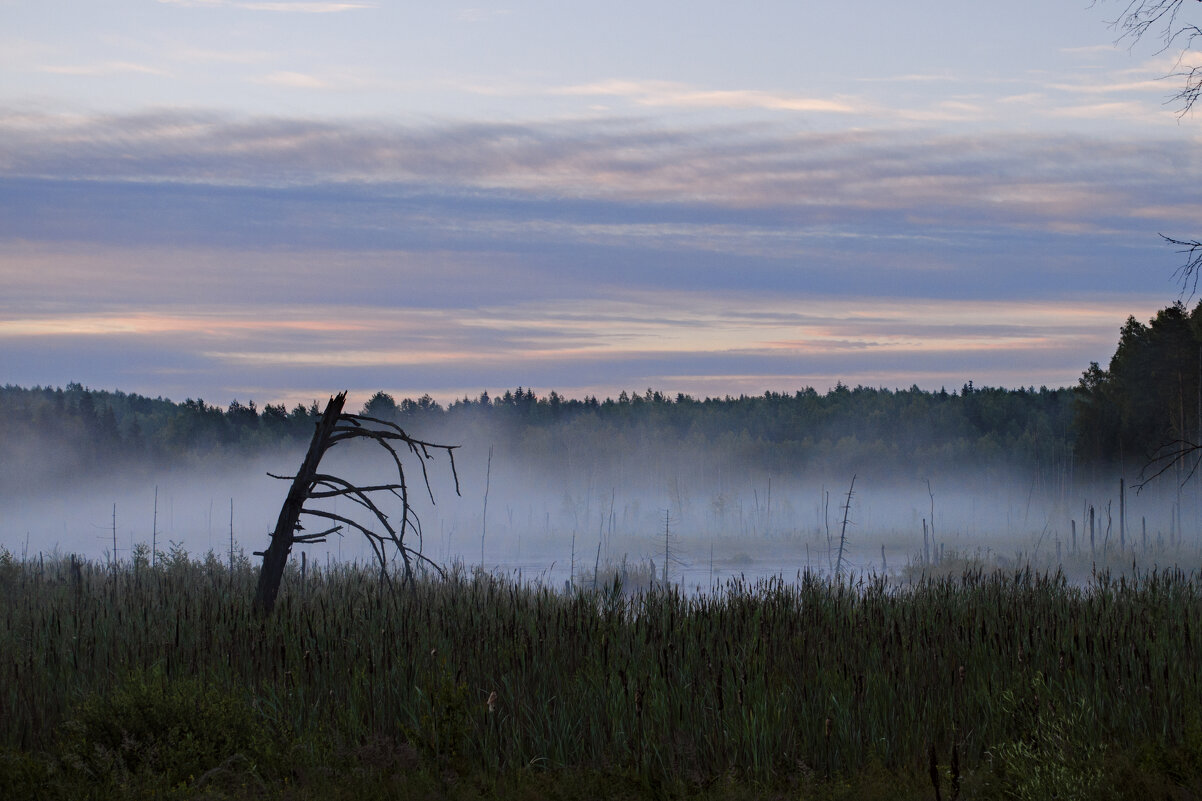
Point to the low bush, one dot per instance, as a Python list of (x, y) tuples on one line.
[(169, 733)]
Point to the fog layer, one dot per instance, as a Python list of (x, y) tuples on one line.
[(551, 503)]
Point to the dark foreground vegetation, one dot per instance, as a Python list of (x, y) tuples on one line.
[(139, 681)]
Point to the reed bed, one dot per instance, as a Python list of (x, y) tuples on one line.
[(761, 682)]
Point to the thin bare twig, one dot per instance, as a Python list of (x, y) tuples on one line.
[(1163, 20), (1188, 272), (1168, 457)]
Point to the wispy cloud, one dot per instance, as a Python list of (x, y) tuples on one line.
[(1108, 110), (693, 341), (944, 111), (1137, 92), (473, 15), (471, 255), (1090, 50), (914, 77), (104, 68), (199, 55), (668, 93), (293, 80), (1025, 98), (210, 323), (777, 190), (1180, 213), (297, 7), (1111, 87)]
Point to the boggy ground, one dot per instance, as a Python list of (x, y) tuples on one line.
[(160, 682)]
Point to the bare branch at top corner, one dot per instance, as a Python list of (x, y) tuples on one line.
[(1188, 273)]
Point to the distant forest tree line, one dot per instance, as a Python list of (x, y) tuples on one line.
[(1149, 397)]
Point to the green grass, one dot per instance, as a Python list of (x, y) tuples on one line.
[(141, 682)]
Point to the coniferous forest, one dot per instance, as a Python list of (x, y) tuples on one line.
[(100, 428)]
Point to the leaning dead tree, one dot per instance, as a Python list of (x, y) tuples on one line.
[(309, 484)]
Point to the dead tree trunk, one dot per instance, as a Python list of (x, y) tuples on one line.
[(276, 556), (843, 533), (308, 484)]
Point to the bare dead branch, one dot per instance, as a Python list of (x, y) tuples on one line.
[(1162, 19), (348, 488), (1165, 21), (376, 541), (1188, 272), (1169, 456), (371, 535), (360, 497), (305, 539)]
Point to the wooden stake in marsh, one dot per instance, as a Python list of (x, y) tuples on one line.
[(334, 427)]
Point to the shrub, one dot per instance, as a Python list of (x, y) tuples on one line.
[(1058, 756), (176, 730), (22, 775)]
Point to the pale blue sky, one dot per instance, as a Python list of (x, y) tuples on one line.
[(270, 199), (883, 62)]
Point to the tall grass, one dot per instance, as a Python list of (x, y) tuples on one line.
[(758, 681)]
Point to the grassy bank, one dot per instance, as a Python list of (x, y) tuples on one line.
[(162, 682)]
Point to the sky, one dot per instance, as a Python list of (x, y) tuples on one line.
[(279, 199)]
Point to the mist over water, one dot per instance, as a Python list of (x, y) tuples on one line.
[(558, 508)]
